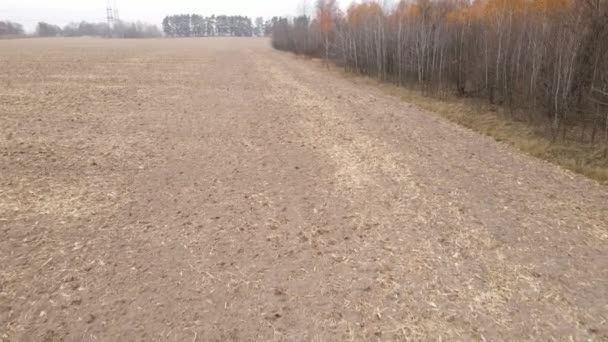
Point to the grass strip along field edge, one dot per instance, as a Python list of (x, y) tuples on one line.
[(491, 120)]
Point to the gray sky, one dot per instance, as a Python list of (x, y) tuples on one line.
[(61, 12)]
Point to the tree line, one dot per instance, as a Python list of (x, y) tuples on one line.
[(545, 61), (194, 25), (120, 29), (9, 28), (183, 25)]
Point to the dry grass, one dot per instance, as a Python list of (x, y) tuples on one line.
[(586, 159)]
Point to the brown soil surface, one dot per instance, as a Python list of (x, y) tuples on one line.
[(217, 190)]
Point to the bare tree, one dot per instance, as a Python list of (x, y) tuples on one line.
[(543, 57)]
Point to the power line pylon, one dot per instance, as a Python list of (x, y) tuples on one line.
[(111, 18), (116, 16)]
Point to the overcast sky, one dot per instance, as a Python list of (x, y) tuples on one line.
[(61, 12)]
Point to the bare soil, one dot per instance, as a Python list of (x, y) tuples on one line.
[(217, 190)]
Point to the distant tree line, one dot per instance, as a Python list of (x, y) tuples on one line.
[(48, 30), (183, 25), (544, 61), (9, 28), (121, 29), (194, 25), (80, 29)]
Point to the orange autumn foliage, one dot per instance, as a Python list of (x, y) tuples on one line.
[(358, 14), (326, 11), (487, 10)]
